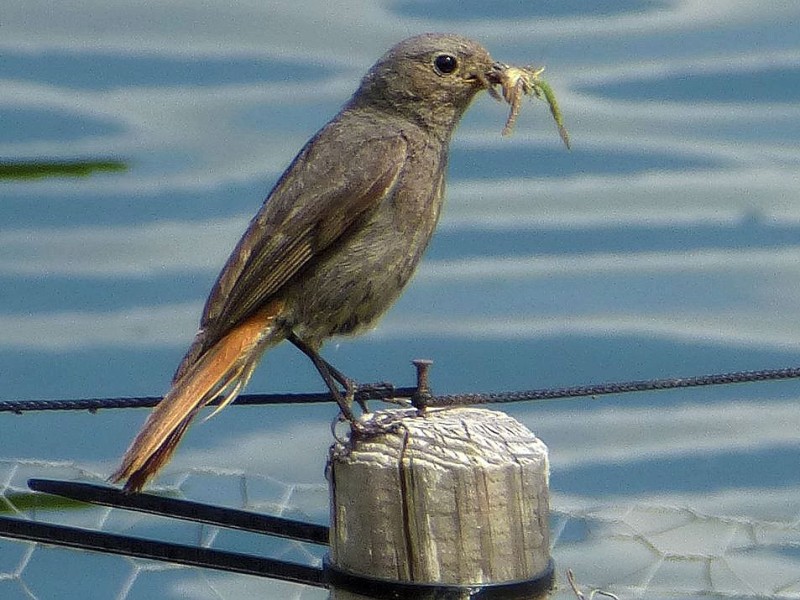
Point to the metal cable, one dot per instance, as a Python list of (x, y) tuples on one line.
[(619, 387), (387, 392)]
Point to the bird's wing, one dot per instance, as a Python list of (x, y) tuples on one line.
[(325, 190), (328, 186)]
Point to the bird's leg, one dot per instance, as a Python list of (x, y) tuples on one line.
[(343, 379), (331, 375)]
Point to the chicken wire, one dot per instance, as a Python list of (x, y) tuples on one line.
[(632, 550)]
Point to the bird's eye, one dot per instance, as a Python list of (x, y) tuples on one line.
[(445, 63)]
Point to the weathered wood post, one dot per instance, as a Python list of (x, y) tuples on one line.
[(439, 504)]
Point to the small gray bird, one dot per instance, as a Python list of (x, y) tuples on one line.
[(336, 240)]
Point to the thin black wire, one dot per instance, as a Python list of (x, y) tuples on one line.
[(381, 391), (386, 391), (196, 512), (620, 387), (195, 556)]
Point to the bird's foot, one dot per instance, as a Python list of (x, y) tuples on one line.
[(360, 428)]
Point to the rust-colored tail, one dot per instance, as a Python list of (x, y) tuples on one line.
[(223, 369)]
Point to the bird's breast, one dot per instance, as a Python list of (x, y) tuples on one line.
[(358, 278)]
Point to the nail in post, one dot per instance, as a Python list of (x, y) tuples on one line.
[(420, 399)]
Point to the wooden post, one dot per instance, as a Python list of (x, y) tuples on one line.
[(454, 497)]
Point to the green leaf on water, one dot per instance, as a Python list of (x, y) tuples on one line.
[(37, 169), (24, 501)]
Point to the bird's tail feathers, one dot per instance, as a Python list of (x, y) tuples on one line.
[(223, 369)]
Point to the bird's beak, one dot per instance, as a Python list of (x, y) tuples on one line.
[(495, 73), (490, 78)]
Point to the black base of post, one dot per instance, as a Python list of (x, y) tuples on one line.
[(383, 589)]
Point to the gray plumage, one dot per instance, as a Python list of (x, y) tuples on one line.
[(337, 239)]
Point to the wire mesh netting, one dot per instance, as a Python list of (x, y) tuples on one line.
[(642, 550), (27, 569)]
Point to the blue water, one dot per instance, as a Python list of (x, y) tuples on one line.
[(515, 162), (25, 125), (519, 9), (74, 70), (707, 474), (756, 86)]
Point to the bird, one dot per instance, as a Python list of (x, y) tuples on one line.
[(336, 240)]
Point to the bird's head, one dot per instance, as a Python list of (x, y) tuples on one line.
[(429, 79)]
